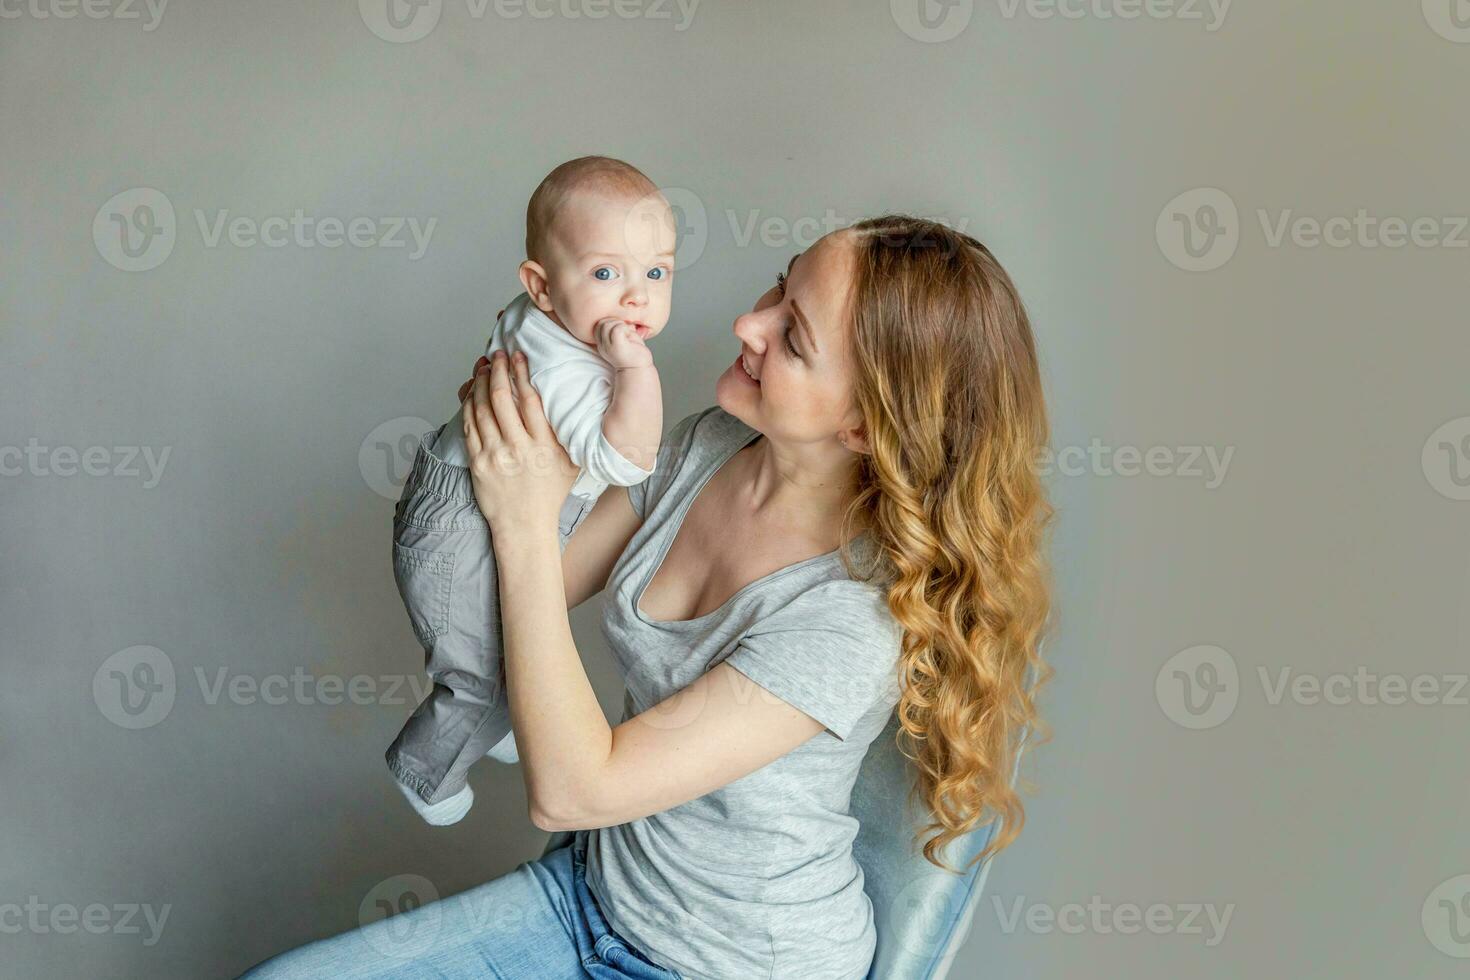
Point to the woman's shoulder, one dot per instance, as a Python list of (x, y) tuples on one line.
[(832, 650), (696, 442), (705, 433), (843, 604)]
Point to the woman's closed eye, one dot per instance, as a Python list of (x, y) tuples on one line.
[(790, 347)]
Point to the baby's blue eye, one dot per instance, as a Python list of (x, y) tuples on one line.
[(655, 274), (598, 273)]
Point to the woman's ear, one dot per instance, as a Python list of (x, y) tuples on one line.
[(533, 280), (855, 440)]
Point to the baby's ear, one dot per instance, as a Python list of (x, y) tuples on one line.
[(533, 280)]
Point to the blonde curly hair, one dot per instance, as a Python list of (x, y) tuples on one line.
[(949, 389)]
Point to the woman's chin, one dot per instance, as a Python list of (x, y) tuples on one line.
[(734, 397)]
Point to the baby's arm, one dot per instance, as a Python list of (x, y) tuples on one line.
[(634, 421), (577, 396)]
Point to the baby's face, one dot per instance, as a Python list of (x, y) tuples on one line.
[(611, 258)]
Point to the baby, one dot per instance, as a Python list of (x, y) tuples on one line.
[(597, 276)]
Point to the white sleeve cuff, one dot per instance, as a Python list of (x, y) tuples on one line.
[(612, 467)]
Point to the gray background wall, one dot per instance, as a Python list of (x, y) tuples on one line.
[(282, 381)]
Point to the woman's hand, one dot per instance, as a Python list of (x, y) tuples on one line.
[(464, 389), (520, 473)]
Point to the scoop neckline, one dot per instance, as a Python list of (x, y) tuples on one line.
[(678, 522)]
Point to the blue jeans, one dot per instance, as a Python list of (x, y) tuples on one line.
[(537, 922)]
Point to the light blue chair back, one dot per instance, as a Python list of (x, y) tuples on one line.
[(922, 913)]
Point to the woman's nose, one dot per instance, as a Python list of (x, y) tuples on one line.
[(747, 328)]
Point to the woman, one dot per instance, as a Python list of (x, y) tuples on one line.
[(856, 526)]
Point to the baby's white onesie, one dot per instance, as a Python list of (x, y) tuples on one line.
[(576, 388)]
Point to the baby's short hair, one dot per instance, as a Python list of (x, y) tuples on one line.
[(605, 175)]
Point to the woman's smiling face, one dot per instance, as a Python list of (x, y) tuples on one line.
[(795, 343)]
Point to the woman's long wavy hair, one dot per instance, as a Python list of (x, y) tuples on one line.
[(948, 386)]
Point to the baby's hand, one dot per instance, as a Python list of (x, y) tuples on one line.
[(620, 344)]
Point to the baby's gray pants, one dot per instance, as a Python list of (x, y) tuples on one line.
[(444, 564)]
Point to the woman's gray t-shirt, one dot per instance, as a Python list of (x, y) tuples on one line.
[(756, 879)]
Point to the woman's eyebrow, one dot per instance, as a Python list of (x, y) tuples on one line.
[(806, 325), (811, 335)]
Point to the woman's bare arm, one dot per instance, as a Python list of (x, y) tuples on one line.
[(723, 726), (579, 772)]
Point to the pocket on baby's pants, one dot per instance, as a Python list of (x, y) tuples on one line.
[(425, 581)]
